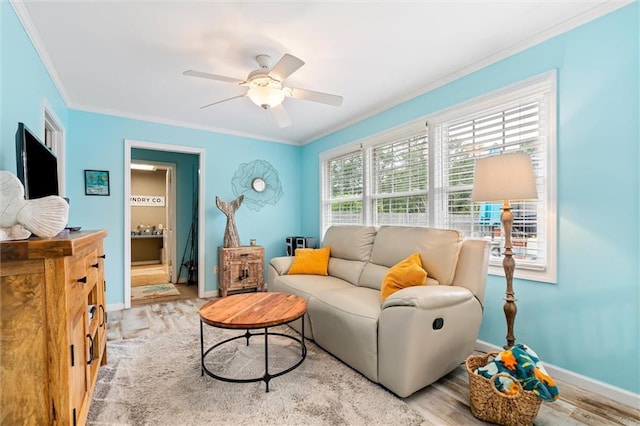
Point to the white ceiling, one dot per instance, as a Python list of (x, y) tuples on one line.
[(127, 57)]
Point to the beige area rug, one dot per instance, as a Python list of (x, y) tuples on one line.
[(156, 381), (153, 290)]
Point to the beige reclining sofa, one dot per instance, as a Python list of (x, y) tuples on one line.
[(417, 334)]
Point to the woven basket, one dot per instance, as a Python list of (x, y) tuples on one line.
[(491, 405)]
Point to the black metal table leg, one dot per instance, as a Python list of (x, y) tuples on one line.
[(267, 376), (201, 351)]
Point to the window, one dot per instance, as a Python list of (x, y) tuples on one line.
[(422, 175), (400, 182), (344, 190), (54, 140)]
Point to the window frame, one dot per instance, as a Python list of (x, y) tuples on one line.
[(544, 85), (55, 141)]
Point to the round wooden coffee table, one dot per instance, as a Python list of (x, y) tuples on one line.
[(252, 311)]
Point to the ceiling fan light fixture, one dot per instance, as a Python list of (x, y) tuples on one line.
[(266, 96)]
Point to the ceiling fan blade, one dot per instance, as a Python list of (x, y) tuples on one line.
[(310, 95), (281, 116), (286, 66), (192, 73), (224, 100)]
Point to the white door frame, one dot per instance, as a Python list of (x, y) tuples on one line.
[(128, 145), (171, 204)]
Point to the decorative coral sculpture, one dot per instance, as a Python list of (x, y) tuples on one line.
[(45, 217)]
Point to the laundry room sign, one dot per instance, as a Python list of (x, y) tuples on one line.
[(147, 200)]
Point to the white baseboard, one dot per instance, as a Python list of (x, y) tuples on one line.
[(115, 307), (612, 392), (208, 294)]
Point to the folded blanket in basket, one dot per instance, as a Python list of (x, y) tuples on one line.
[(522, 363)]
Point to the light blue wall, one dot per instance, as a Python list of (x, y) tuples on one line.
[(24, 87), (589, 322), (96, 141)]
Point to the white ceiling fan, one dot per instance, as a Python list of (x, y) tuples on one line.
[(265, 87)]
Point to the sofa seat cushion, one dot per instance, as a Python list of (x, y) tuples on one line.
[(307, 285), (373, 275), (345, 323)]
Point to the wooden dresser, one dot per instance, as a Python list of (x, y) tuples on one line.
[(53, 327), (240, 268)]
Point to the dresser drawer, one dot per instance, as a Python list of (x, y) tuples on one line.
[(82, 275), (243, 253)]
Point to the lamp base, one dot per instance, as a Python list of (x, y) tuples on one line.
[(509, 265)]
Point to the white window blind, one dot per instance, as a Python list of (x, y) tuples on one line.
[(514, 127), (344, 190), (400, 182)]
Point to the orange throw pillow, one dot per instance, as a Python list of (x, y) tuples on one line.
[(404, 274), (310, 261)]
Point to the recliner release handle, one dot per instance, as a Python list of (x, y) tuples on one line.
[(438, 323)]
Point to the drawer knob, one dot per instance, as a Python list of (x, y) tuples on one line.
[(82, 280), (104, 256), (96, 265)]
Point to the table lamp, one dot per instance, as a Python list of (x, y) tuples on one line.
[(503, 178)]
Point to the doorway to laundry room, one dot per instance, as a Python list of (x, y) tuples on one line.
[(163, 225), (152, 204)]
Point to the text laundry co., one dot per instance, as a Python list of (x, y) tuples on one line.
[(147, 200)]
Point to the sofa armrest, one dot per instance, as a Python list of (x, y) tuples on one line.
[(282, 264), (424, 333), (428, 297)]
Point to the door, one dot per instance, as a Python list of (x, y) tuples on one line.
[(168, 237)]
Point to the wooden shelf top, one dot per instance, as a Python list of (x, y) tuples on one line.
[(63, 244)]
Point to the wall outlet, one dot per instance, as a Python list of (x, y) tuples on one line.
[(215, 269)]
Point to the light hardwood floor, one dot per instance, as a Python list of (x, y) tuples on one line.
[(445, 402)]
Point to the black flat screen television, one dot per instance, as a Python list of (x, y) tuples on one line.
[(37, 166)]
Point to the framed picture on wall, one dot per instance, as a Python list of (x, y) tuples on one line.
[(96, 182)]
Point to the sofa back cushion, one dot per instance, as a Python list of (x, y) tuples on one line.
[(438, 248), (350, 249)]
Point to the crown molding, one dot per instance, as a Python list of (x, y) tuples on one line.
[(23, 15), (593, 13), (178, 123)]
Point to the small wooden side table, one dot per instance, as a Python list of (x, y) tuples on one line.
[(250, 312), (240, 268)]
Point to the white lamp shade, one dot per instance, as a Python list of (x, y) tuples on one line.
[(504, 177), (265, 96)]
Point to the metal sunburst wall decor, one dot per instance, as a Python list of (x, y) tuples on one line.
[(258, 181)]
